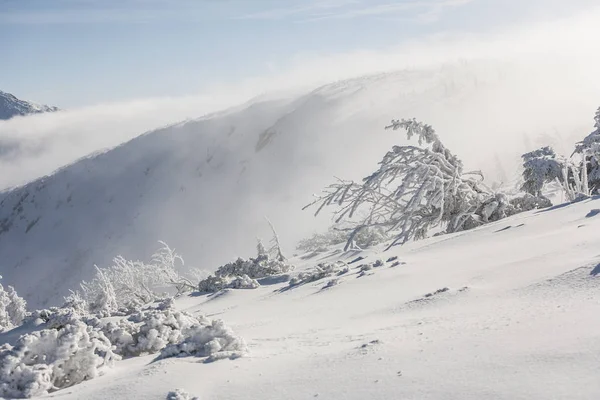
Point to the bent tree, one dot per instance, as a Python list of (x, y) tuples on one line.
[(414, 189)]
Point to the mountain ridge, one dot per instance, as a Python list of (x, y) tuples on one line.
[(205, 185), (11, 106)]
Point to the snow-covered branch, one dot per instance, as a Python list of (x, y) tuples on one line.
[(415, 189)]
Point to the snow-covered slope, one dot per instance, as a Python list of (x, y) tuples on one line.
[(519, 320), (204, 186), (10, 106)]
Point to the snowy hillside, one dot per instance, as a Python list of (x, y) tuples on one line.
[(10, 106), (505, 311), (204, 186)]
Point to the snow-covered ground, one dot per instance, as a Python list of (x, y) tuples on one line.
[(505, 311), (516, 316)]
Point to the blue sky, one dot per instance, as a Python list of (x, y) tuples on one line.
[(79, 52)]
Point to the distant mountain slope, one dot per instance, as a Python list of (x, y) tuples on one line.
[(204, 186), (10, 106)]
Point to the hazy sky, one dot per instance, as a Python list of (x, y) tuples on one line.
[(80, 52)]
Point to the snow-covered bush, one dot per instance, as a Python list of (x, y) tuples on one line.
[(528, 202), (321, 271), (540, 167), (212, 339), (543, 166), (77, 303), (71, 345), (154, 330), (243, 282), (147, 331), (128, 285), (579, 175), (589, 152), (367, 237), (54, 317), (331, 283), (179, 394), (13, 309), (54, 358), (215, 283), (366, 267), (255, 268), (242, 274), (415, 188)]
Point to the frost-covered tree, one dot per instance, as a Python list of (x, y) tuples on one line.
[(261, 249), (415, 189), (275, 250), (579, 175), (540, 166), (589, 152), (13, 308), (130, 284), (169, 265)]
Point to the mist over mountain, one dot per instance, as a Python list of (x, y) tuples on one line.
[(205, 185)]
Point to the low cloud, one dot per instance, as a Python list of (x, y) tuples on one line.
[(562, 55)]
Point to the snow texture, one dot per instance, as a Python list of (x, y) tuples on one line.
[(398, 333)]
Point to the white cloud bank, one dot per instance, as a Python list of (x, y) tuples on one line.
[(561, 53)]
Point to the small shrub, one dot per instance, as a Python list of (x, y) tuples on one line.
[(243, 274), (52, 359), (148, 331), (212, 339), (127, 285), (179, 394), (13, 308), (321, 271)]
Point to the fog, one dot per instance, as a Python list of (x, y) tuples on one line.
[(556, 59), (265, 145)]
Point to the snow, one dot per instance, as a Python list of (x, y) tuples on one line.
[(179, 394), (508, 310), (13, 308), (10, 106), (52, 359), (204, 186)]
